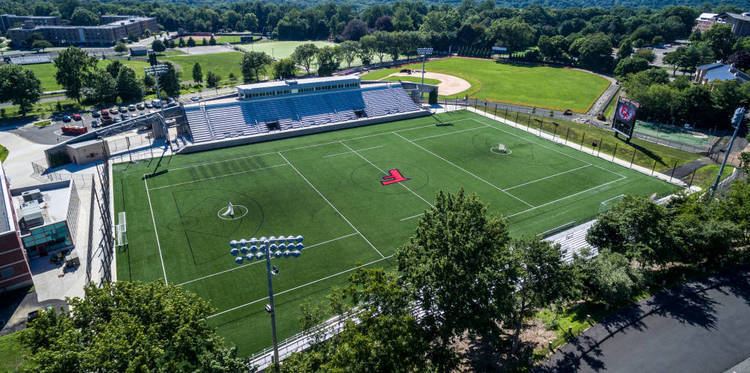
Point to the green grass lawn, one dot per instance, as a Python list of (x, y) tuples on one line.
[(3, 153), (706, 175), (540, 86), (647, 154), (12, 353), (327, 187), (46, 72), (219, 63), (414, 79)]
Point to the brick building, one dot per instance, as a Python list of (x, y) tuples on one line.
[(115, 29), (8, 21), (14, 263)]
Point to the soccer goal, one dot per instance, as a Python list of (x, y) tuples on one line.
[(607, 204), (121, 230)]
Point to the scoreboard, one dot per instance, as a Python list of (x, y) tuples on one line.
[(624, 118)]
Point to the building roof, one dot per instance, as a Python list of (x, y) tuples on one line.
[(56, 196), (6, 208), (719, 72), (742, 17), (114, 24), (707, 16)]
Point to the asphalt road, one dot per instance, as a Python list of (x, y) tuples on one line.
[(702, 327)]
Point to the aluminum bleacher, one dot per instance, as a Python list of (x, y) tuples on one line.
[(236, 118)]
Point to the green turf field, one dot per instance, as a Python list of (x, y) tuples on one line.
[(280, 49), (541, 86), (327, 187)]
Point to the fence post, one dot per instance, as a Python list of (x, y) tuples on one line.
[(566, 136), (599, 151), (496, 111), (583, 138), (555, 133), (632, 159), (516, 117), (673, 170), (653, 168), (541, 123), (615, 152)]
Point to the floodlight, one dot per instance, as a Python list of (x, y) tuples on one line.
[(234, 251), (233, 243), (238, 260)]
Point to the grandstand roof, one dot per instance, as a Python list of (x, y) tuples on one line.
[(306, 81)]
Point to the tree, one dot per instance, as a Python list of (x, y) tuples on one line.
[(284, 69), (204, 42), (197, 73), (720, 39), (304, 55), (158, 46), (120, 47), (212, 40), (114, 67), (170, 81), (128, 86), (630, 65), (19, 86), (646, 54), (250, 22), (41, 45), (72, 64), (327, 61), (84, 17), (455, 265), (388, 338), (541, 279), (130, 326), (593, 52), (609, 278), (212, 80), (252, 63), (625, 50), (181, 43), (552, 48), (354, 30), (515, 34), (99, 86), (636, 228), (190, 42), (349, 50)]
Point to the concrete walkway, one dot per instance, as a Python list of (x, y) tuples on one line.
[(21, 152)]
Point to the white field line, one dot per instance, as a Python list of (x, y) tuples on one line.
[(331, 204), (548, 148), (359, 150), (383, 172), (156, 233), (221, 176), (615, 197), (412, 217), (547, 177), (464, 170), (301, 286), (312, 145), (448, 133), (247, 265), (566, 197)]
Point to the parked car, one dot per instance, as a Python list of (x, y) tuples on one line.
[(95, 114), (149, 105), (156, 103), (114, 111), (94, 123), (195, 98), (140, 106), (116, 120), (123, 109), (77, 117), (104, 112), (131, 107), (66, 118), (568, 112)]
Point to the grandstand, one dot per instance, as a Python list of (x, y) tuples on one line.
[(292, 107)]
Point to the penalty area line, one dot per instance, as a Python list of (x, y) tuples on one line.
[(156, 233), (301, 286), (247, 265)]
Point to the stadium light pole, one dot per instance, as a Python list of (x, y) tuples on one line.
[(424, 52), (739, 115), (260, 248)]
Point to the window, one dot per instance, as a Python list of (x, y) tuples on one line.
[(7, 272)]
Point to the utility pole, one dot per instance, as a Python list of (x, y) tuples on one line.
[(737, 118)]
